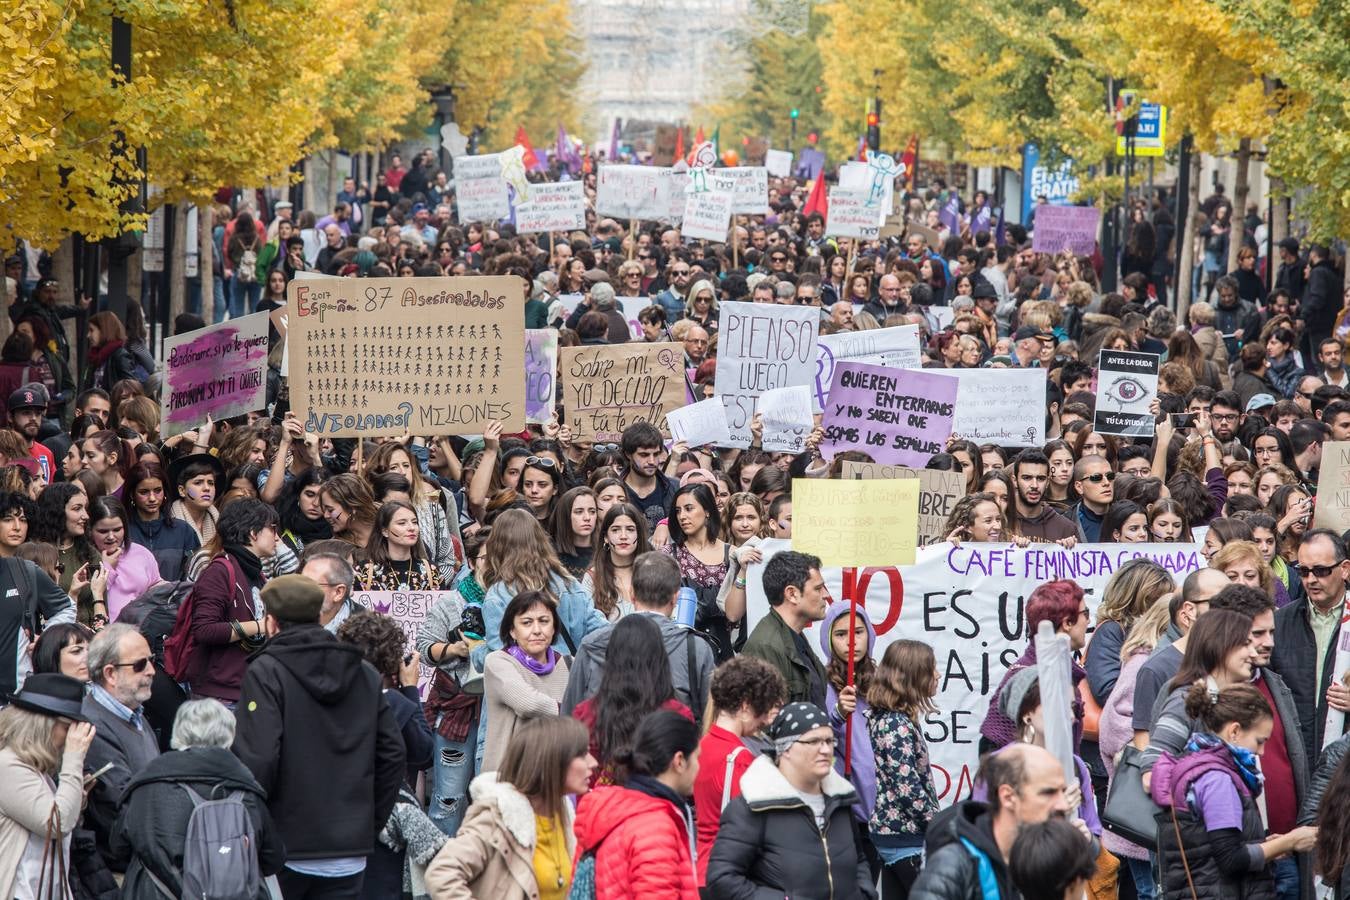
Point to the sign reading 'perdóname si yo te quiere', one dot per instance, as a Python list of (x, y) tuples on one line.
[(385, 356)]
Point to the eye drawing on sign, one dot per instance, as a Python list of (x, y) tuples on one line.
[(883, 166), (1125, 390)]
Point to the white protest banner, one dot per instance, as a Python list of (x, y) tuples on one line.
[(787, 419), (859, 178), (968, 604), (779, 163), (761, 346), (480, 190), (701, 424), (678, 181), (1000, 406), (409, 609), (895, 348), (1126, 385), (938, 492), (633, 192), (1333, 488), (707, 215), (631, 307), (553, 207), (1060, 228), (541, 374), (850, 216), (218, 371), (750, 189)]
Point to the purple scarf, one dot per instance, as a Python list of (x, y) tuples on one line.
[(529, 662)]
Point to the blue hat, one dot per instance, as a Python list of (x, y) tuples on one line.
[(1260, 401)]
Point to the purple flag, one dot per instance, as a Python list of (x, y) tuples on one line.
[(950, 216), (566, 153), (614, 140), (980, 220)]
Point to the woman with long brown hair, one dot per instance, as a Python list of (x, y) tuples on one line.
[(437, 517), (109, 360), (349, 507), (395, 558), (623, 538)]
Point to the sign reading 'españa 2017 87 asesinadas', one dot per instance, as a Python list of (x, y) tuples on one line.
[(385, 356)]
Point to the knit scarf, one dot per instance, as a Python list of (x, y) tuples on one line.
[(538, 668), (471, 590), (1244, 759), (100, 354)]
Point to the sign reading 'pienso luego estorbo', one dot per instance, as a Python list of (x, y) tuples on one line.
[(968, 604), (388, 356)]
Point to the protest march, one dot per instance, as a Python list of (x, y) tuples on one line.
[(566, 525)]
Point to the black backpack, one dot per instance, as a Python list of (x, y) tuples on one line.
[(154, 612)]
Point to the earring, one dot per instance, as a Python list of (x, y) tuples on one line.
[(1029, 734)]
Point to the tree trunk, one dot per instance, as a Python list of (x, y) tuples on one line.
[(1186, 239), (1279, 217), (308, 186), (205, 258), (1241, 189), (178, 266), (330, 196)]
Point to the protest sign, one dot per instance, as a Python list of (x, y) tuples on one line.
[(1126, 385), (786, 419), (778, 163), (553, 207), (749, 189), (541, 374), (856, 523), (1332, 509), (851, 216), (409, 609), (631, 307), (218, 371), (938, 493), (633, 192), (707, 215), (1000, 406), (877, 189), (968, 604), (1060, 228), (895, 348), (760, 347), (388, 356), (894, 416), (480, 190), (608, 387), (702, 424)]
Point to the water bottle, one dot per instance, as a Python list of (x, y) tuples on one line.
[(686, 606)]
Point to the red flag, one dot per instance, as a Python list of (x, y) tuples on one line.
[(698, 137), (911, 161), (529, 159), (679, 142), (816, 202)]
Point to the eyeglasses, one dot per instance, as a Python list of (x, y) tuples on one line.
[(543, 462), (138, 666), (818, 743), (679, 271), (1099, 477), (1318, 571), (1306, 395), (604, 448), (1223, 417), (777, 259)]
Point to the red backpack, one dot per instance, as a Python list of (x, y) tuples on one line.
[(180, 647)]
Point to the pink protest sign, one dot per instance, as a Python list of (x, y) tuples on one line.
[(218, 371), (896, 416), (1059, 228)]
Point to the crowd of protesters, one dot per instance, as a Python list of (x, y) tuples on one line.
[(180, 622)]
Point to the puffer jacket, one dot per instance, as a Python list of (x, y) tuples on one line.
[(863, 771), (960, 839), (768, 843), (1186, 833), (642, 841)]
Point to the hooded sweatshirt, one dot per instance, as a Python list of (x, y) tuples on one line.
[(316, 731), (863, 771)]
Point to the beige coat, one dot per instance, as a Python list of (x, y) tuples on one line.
[(492, 855), (26, 803), (1212, 346)]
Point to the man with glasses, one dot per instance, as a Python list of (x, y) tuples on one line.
[(808, 291), (672, 298), (334, 575), (1225, 415), (1095, 483), (1307, 632), (122, 670), (778, 260)]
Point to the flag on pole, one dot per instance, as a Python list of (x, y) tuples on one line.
[(614, 140), (716, 141), (679, 142), (911, 161), (529, 158), (699, 137), (817, 202), (565, 152)]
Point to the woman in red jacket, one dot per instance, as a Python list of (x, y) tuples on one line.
[(641, 834)]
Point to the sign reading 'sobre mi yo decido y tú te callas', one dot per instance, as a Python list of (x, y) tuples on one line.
[(429, 356)]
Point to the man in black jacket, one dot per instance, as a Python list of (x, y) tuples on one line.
[(317, 733), (1321, 299), (1026, 786)]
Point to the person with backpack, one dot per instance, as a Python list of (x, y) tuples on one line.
[(182, 796), (315, 729), (242, 265), (635, 840)]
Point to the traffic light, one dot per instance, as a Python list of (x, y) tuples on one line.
[(874, 132), (795, 112)]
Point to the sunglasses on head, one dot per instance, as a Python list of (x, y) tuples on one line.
[(543, 462), (605, 448)]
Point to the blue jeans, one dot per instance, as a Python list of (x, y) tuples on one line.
[(454, 769), (1142, 873), (218, 307), (243, 296), (1286, 878)]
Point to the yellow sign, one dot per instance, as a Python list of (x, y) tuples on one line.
[(856, 523)]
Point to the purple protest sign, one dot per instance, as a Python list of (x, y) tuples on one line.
[(541, 374), (218, 371), (896, 416), (1060, 228)]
